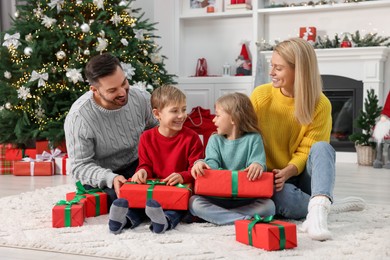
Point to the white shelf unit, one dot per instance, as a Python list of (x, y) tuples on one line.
[(218, 37)]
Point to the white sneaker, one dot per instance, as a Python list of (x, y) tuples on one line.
[(348, 204)]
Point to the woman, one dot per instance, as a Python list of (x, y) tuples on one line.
[(295, 122)]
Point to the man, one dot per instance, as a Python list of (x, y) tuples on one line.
[(103, 127)]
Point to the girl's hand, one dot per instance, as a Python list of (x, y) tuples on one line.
[(197, 169), (140, 176), (173, 179), (254, 171)]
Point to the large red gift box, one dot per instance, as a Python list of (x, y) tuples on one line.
[(228, 184), (308, 33), (33, 168), (68, 214), (170, 197), (272, 235), (95, 200)]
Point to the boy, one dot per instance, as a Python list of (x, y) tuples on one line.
[(167, 152)]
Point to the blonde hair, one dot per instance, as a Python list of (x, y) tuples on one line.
[(240, 108), (301, 57), (165, 95)]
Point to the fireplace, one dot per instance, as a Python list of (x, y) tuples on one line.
[(346, 97)]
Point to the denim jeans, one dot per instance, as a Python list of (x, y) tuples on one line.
[(318, 178), (226, 211)]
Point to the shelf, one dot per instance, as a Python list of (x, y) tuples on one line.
[(238, 13), (322, 8), (216, 79)]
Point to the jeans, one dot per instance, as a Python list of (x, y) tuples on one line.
[(226, 211), (318, 178)]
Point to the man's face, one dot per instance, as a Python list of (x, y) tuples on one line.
[(112, 91)]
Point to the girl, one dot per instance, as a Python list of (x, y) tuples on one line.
[(238, 145)]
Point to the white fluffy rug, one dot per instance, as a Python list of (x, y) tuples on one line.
[(26, 223)]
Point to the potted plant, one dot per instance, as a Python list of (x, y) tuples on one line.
[(364, 143)]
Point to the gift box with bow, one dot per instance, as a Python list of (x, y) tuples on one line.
[(170, 197), (266, 233), (233, 184), (68, 213)]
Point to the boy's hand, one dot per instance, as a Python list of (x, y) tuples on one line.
[(140, 176), (197, 169), (254, 171), (173, 179)]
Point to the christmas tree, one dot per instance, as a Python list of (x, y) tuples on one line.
[(44, 54)]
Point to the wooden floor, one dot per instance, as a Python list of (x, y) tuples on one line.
[(373, 185)]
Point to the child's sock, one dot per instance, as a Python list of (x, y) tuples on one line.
[(117, 217), (156, 214)]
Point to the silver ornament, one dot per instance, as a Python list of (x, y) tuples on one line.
[(28, 51)]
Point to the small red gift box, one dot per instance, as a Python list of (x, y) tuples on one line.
[(170, 197), (16, 154), (308, 33), (33, 168), (61, 165), (41, 146), (95, 200), (6, 167), (228, 184), (67, 214), (269, 235)]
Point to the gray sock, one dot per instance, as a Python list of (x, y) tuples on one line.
[(156, 214), (117, 218)]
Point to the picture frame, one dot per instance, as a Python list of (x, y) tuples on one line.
[(199, 7)]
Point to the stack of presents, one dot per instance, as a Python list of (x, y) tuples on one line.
[(262, 232), (42, 160)]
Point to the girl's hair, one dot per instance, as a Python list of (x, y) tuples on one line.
[(240, 108), (301, 57), (165, 95)]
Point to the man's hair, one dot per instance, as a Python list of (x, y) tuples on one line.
[(100, 66), (165, 95)]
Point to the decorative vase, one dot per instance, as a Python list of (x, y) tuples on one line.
[(365, 155)]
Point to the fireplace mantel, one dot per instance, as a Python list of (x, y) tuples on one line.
[(367, 64)]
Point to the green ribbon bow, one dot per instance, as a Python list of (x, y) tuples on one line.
[(67, 212), (81, 191), (268, 219)]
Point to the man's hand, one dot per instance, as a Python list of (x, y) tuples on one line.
[(197, 169), (140, 177), (173, 179), (118, 181)]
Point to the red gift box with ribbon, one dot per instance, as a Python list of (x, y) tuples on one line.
[(308, 33), (95, 200), (170, 197), (266, 233), (16, 154), (234, 184), (68, 214), (6, 167), (33, 168), (61, 165), (41, 146)]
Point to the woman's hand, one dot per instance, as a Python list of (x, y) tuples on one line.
[(173, 179), (281, 176), (254, 171), (140, 176), (197, 169)]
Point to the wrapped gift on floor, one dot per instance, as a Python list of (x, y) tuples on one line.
[(30, 167), (68, 214), (6, 167), (17, 154), (266, 233), (62, 164), (234, 184), (41, 146), (170, 197), (95, 200)]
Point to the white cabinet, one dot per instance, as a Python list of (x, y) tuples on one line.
[(218, 37)]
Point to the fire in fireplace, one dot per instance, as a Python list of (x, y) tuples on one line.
[(346, 97)]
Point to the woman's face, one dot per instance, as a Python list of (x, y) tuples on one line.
[(282, 75)]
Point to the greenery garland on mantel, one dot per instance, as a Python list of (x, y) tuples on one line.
[(369, 40), (312, 3)]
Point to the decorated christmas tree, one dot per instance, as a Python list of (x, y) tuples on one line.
[(44, 53)]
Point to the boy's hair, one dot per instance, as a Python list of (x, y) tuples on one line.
[(100, 66), (240, 108), (165, 95)]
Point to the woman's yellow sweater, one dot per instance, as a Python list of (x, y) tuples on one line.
[(286, 141)]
